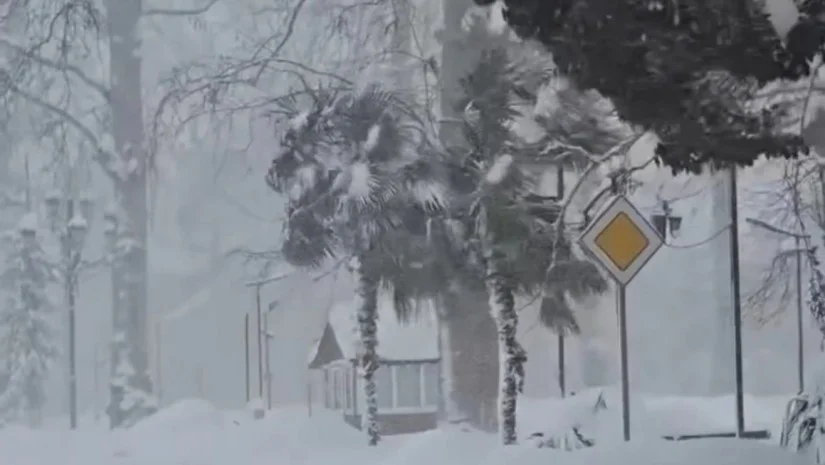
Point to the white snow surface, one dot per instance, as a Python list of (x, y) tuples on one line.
[(194, 432), (417, 340)]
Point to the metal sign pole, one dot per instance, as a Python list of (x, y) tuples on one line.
[(737, 306), (562, 384), (621, 240), (621, 303)]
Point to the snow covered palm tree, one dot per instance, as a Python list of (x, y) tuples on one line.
[(27, 338), (510, 233), (355, 171), (507, 242)]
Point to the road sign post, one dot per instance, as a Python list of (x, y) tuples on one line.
[(622, 241)]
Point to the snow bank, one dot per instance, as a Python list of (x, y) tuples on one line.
[(184, 415), (652, 452), (194, 432), (450, 446), (649, 417)]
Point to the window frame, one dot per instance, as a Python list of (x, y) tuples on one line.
[(419, 373), (423, 407)]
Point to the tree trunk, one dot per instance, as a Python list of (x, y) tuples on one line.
[(367, 316), (473, 357), (131, 385), (511, 355)]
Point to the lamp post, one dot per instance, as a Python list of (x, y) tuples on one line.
[(268, 336), (69, 221), (70, 227), (798, 251)]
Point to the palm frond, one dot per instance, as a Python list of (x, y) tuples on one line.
[(556, 314), (308, 242), (584, 279)]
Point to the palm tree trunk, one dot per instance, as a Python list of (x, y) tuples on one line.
[(367, 315), (511, 355)]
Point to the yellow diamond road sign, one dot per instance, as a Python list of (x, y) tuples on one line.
[(621, 240)]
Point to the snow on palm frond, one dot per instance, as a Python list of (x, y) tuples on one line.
[(345, 160)]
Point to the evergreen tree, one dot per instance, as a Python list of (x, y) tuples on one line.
[(684, 70), (27, 338), (355, 173)]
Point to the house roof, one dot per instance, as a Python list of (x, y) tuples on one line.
[(397, 341)]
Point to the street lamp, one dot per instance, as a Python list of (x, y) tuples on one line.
[(70, 226), (257, 285), (267, 337), (665, 221), (798, 251)]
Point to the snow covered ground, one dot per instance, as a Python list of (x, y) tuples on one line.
[(192, 432)]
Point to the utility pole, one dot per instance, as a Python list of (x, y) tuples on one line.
[(800, 352), (737, 305), (246, 354), (268, 365), (800, 315), (271, 308), (259, 323), (260, 342), (71, 268), (158, 359)]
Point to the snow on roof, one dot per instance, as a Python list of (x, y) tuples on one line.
[(416, 340)]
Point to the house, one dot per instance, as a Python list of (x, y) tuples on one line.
[(407, 381)]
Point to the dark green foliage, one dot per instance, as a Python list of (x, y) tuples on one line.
[(651, 58)]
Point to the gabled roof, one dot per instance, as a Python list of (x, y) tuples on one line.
[(324, 350), (397, 341)]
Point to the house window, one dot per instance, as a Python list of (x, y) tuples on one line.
[(408, 385), (432, 380), (384, 386)]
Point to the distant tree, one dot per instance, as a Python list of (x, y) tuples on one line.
[(27, 337), (683, 70), (354, 171)]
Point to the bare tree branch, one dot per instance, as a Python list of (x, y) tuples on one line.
[(172, 12), (105, 158), (290, 30), (60, 67)]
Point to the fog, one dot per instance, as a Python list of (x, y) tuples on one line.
[(212, 218)]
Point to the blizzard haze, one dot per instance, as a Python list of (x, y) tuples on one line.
[(289, 158)]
